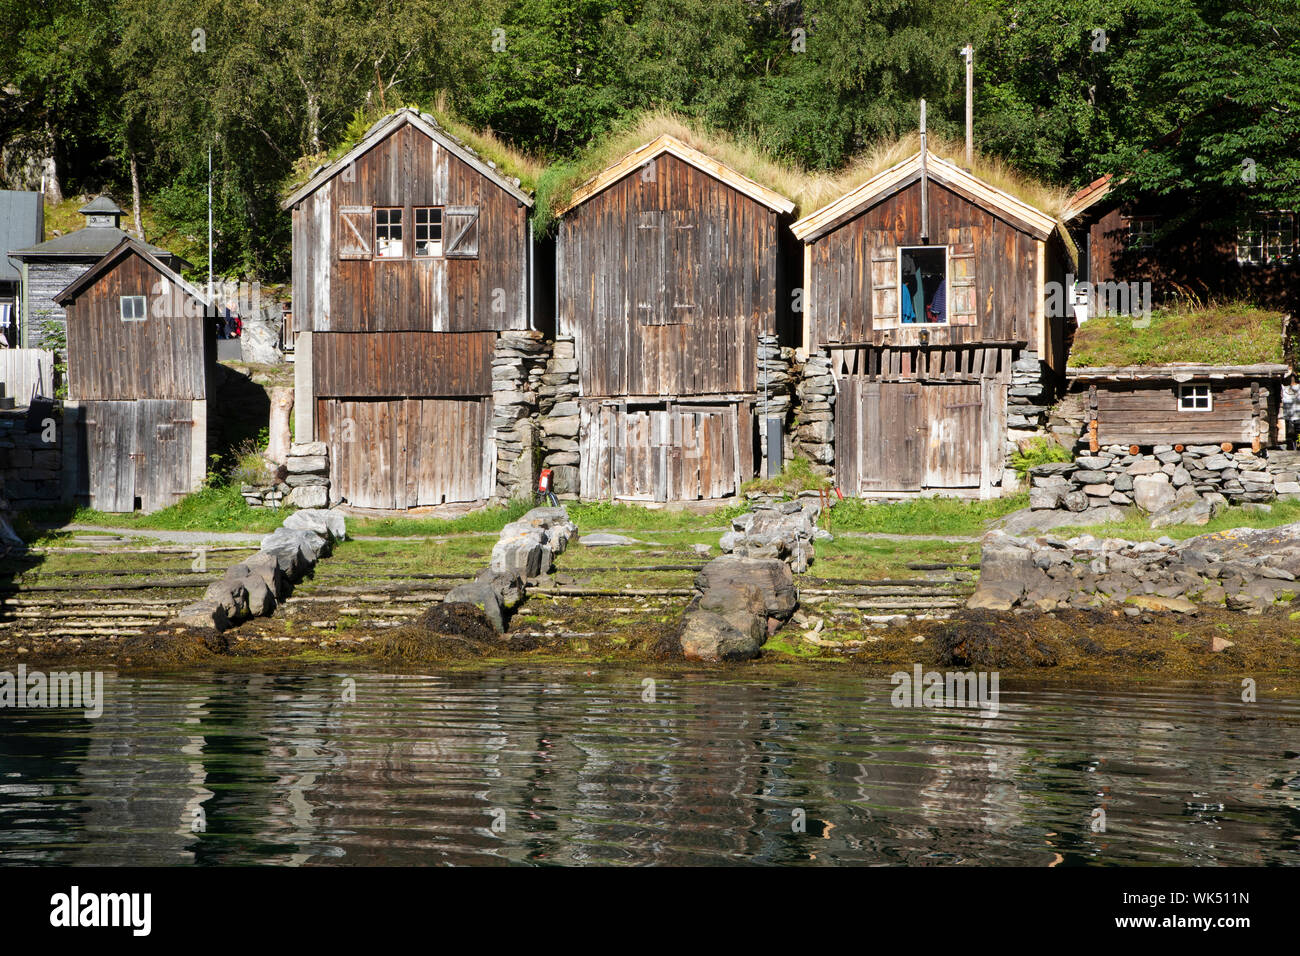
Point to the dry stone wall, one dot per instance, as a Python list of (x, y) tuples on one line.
[(518, 369)]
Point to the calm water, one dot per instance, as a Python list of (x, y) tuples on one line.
[(577, 769)]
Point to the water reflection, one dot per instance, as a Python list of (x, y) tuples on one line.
[(508, 767)]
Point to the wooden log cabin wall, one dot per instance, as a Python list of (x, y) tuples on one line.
[(1234, 406), (141, 358), (925, 286), (411, 254), (668, 269)]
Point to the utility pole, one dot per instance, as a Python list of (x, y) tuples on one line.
[(968, 51), (209, 223)]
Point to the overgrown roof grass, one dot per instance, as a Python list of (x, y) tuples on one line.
[(511, 162), (1232, 333), (808, 189), (554, 184)]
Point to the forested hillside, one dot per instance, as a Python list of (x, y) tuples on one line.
[(129, 95)]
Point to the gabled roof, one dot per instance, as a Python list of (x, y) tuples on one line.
[(897, 177), (128, 245), (1087, 197), (671, 144), (101, 205), (22, 221), (426, 124), (91, 242)]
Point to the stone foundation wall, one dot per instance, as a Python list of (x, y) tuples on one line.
[(558, 405), (31, 469), (1156, 479), (814, 433), (775, 385), (1029, 398), (518, 369), (303, 481)]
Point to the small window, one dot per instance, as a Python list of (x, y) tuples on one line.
[(388, 234), (1194, 398), (1267, 237), (1141, 233), (428, 231), (923, 284), (132, 308)]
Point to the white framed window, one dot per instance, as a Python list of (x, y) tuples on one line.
[(1195, 398), (1141, 232), (1267, 237), (428, 231), (388, 233), (924, 294), (132, 308)]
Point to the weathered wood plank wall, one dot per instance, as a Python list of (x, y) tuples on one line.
[(665, 280), (841, 300), (165, 356), (356, 364), (1143, 414)]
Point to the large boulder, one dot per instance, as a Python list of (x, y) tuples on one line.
[(319, 520), (1153, 492), (1197, 511), (741, 601), (203, 615), (1007, 571), (231, 595), (267, 567), (483, 596), (261, 601), (528, 546)]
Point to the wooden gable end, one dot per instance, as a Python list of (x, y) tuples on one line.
[(665, 278)]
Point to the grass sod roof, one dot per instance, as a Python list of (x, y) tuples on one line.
[(1228, 334), (554, 184), (808, 189), (511, 162)]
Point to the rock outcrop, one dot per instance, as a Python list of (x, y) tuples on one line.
[(1245, 569)]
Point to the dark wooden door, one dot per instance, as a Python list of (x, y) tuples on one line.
[(878, 445)]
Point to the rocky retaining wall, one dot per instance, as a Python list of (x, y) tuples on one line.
[(31, 468), (518, 366), (558, 404), (302, 482), (256, 585), (1170, 484), (814, 432), (775, 381), (1244, 569)]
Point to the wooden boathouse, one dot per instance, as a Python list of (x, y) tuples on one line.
[(925, 288), (410, 254), (668, 269), (141, 359)]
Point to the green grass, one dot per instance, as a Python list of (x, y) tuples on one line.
[(215, 508), (492, 518), (1039, 451), (921, 515), (1233, 333), (795, 477), (1135, 525), (601, 515)]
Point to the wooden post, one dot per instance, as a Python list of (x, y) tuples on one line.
[(1093, 444), (968, 51), (925, 183)]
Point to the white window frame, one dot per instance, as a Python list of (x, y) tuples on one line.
[(415, 232), (386, 243), (121, 308), (1189, 391), (947, 284), (1253, 237)]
